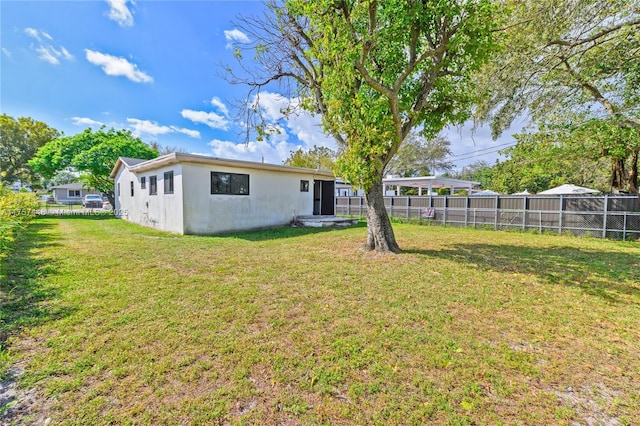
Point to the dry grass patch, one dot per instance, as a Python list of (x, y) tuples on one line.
[(295, 326)]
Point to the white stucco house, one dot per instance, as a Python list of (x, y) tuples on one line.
[(198, 194)]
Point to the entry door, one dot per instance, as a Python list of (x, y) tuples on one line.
[(324, 197)]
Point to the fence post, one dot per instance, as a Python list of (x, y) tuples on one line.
[(560, 217), (408, 208), (495, 221), (624, 227), (524, 212), (604, 216), (540, 221), (445, 210), (466, 212)]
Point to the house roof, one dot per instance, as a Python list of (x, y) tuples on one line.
[(568, 190), (430, 181), (130, 162), (136, 165), (74, 185)]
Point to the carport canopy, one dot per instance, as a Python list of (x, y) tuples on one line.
[(428, 183)]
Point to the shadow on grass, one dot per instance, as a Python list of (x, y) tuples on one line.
[(282, 232), (597, 273), (25, 300)]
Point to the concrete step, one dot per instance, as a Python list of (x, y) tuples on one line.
[(324, 221)]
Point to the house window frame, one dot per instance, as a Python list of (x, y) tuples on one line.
[(153, 185), (131, 186), (168, 182), (233, 180), (304, 185), (74, 193), (143, 182)]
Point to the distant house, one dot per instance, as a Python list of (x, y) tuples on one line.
[(18, 186), (71, 193), (197, 194)]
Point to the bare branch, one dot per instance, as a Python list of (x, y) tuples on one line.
[(574, 43)]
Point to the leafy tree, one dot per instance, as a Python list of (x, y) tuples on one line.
[(63, 177), (19, 141), (92, 153), (479, 171), (571, 57), (166, 149), (548, 158), (374, 70), (319, 157), (419, 156)]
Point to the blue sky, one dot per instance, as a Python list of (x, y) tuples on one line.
[(153, 67)]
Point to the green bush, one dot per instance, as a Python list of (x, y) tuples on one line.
[(19, 206), (15, 209)]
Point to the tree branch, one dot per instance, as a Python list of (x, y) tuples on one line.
[(594, 37)]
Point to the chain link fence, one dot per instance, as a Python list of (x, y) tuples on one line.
[(607, 216)]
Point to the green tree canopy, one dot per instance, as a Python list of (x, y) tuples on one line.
[(419, 156), (570, 58), (19, 141), (94, 154), (319, 157), (479, 171), (375, 70)]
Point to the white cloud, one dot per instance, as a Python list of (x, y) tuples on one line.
[(46, 51), (148, 127), (235, 36), (279, 145), (65, 53), (33, 33), (211, 119), (6, 52), (116, 66), (85, 121), (192, 133), (216, 102), (304, 126), (47, 55), (120, 13), (268, 151)]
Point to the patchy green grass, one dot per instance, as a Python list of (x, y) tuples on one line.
[(118, 324)]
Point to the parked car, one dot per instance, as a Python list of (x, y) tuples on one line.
[(92, 201)]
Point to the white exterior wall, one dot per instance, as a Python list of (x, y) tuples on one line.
[(274, 199), (160, 211)]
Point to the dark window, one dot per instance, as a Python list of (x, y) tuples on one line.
[(74, 193), (143, 182), (168, 182), (304, 186), (153, 185), (229, 183), (131, 188)]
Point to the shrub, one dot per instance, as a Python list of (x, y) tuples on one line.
[(15, 209)]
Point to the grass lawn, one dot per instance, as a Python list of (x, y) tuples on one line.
[(113, 323)]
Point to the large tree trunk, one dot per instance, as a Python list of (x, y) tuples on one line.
[(380, 236), (617, 174), (111, 196), (633, 174)]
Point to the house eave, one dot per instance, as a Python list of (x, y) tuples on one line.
[(178, 157)]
